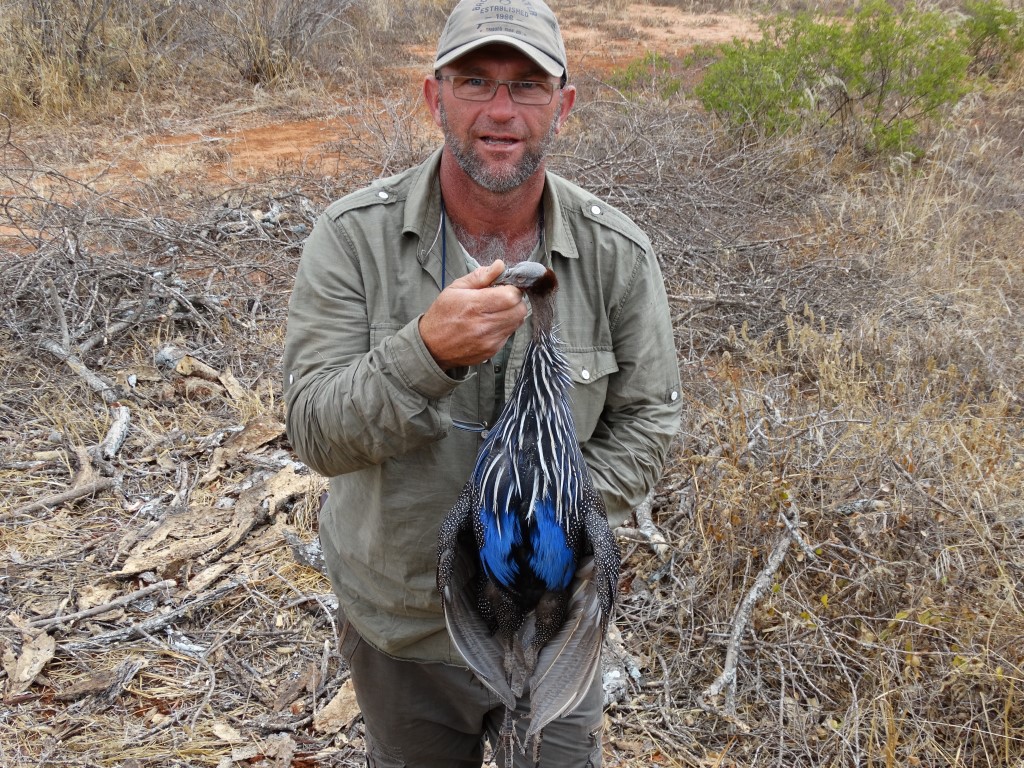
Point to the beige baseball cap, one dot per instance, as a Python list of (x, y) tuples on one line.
[(528, 25)]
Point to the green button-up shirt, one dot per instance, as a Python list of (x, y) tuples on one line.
[(368, 407)]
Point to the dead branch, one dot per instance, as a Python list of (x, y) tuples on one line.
[(96, 383), (741, 619), (149, 626), (76, 492), (646, 531), (792, 522), (58, 307), (96, 610), (115, 437), (193, 366), (120, 415)]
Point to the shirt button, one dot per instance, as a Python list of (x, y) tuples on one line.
[(382, 195), (674, 396), (585, 374), (596, 210)]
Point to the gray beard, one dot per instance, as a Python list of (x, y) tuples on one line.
[(505, 179)]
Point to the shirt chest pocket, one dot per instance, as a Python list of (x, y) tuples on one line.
[(591, 371)]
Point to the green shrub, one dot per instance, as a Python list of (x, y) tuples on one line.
[(763, 84), (872, 79), (651, 73), (993, 36)]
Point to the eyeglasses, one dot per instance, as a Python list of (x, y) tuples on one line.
[(469, 88)]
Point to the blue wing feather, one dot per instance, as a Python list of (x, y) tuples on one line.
[(502, 535), (551, 557)]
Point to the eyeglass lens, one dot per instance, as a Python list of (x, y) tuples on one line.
[(483, 89)]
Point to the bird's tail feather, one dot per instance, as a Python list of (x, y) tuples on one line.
[(567, 663), (479, 646)]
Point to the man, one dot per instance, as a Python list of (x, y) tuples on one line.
[(399, 355)]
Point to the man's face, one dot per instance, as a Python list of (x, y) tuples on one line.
[(499, 144)]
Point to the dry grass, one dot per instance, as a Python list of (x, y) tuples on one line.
[(849, 337)]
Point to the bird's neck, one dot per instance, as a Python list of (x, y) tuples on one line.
[(543, 319)]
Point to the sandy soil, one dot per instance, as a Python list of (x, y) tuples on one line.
[(595, 46)]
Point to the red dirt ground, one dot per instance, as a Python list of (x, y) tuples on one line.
[(239, 152)]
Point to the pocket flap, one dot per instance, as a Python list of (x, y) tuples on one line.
[(590, 365)]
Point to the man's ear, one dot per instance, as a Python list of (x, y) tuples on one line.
[(432, 97), (568, 99)]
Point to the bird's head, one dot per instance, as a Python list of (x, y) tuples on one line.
[(530, 277), (539, 283)]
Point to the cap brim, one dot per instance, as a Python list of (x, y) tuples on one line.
[(547, 63)]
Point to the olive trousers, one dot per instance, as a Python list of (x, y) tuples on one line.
[(434, 715)]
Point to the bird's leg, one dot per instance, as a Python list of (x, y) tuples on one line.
[(535, 748), (504, 616), (508, 737), (513, 673)]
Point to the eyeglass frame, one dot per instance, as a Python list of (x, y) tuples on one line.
[(560, 85)]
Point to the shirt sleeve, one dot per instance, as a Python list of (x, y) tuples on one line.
[(627, 450), (355, 394)]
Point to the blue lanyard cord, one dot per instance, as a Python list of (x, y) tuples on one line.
[(444, 245)]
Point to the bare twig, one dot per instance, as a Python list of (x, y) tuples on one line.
[(96, 610), (96, 383), (77, 492), (741, 619), (149, 626), (917, 486)]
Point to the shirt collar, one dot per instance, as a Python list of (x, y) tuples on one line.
[(557, 235)]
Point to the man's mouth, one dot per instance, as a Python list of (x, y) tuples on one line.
[(500, 141)]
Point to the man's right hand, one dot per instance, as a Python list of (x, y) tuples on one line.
[(471, 319)]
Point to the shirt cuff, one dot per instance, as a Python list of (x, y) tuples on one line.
[(417, 368)]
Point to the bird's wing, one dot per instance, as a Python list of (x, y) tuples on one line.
[(480, 647), (452, 529), (457, 576), (567, 663), (607, 556)]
